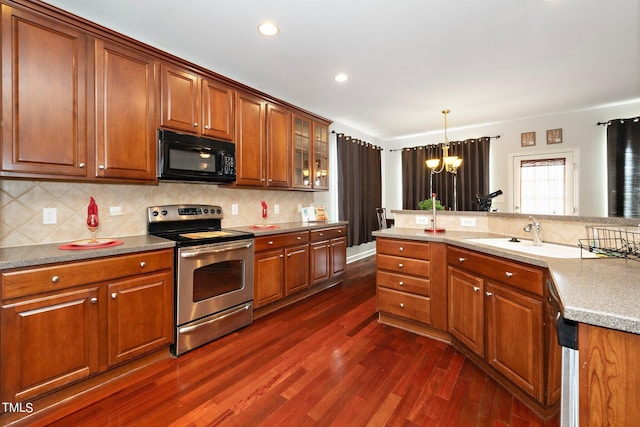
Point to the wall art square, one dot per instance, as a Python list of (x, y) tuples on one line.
[(554, 136), (527, 139)]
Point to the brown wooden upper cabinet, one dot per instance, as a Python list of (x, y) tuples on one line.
[(310, 154), (44, 99), (125, 113), (263, 142), (195, 104), (49, 113)]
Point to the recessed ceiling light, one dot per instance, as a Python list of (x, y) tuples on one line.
[(341, 77), (268, 29)]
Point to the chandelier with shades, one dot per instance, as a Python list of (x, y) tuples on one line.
[(447, 163)]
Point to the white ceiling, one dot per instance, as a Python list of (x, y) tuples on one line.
[(486, 60)]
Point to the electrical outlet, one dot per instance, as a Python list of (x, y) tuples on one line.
[(234, 209), (276, 209), (49, 216), (467, 222), (422, 220)]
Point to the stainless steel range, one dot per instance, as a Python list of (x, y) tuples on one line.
[(214, 272)]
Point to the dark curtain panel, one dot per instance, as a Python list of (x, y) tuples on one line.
[(623, 167), (359, 188), (472, 177)]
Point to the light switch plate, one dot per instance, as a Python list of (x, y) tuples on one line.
[(234, 209), (467, 221), (422, 220)]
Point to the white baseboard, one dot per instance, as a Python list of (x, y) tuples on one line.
[(361, 255)]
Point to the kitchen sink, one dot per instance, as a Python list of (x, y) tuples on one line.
[(550, 250)]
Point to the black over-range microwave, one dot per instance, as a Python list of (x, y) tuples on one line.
[(184, 157)]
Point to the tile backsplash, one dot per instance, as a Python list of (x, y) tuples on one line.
[(22, 203)]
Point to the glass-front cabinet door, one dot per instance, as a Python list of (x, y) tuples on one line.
[(321, 156), (301, 152)]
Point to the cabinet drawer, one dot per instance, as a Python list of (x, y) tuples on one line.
[(60, 276), (401, 282), (414, 307), (527, 278), (402, 265), (403, 248), (328, 233), (280, 240)]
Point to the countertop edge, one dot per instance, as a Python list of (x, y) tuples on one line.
[(30, 256)]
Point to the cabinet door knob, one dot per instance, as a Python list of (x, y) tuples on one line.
[(401, 305), (401, 249), (271, 242), (488, 293), (207, 127), (81, 165), (114, 295), (401, 283), (508, 274), (55, 279), (101, 167), (461, 259), (400, 265), (195, 125), (143, 264), (93, 300), (476, 289)]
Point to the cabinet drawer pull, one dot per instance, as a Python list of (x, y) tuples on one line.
[(299, 237), (271, 242), (476, 289), (401, 249), (462, 259), (114, 295), (488, 293), (281, 256), (400, 265), (207, 127), (321, 234), (401, 305), (93, 300), (143, 264), (55, 279), (101, 167), (401, 283), (508, 274), (340, 231)]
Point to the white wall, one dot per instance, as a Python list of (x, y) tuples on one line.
[(579, 131), (329, 199)]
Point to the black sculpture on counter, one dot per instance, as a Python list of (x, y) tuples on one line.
[(484, 202)]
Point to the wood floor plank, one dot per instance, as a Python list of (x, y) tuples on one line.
[(322, 361)]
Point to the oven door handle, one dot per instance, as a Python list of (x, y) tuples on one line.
[(188, 329), (225, 248)]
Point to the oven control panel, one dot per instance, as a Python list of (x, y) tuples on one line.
[(183, 212)]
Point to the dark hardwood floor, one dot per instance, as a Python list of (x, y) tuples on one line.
[(324, 361)]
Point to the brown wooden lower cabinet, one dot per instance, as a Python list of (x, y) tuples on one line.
[(609, 376), (289, 263), (52, 326)]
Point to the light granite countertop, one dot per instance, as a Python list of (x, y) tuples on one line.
[(291, 227), (32, 255), (28, 256), (598, 291)]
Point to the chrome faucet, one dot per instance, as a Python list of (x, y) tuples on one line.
[(535, 228)]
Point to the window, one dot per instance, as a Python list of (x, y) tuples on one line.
[(544, 184)]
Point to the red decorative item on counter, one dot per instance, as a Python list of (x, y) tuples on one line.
[(92, 218), (265, 211)]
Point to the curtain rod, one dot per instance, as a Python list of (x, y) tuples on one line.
[(401, 149), (607, 123), (356, 139)]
